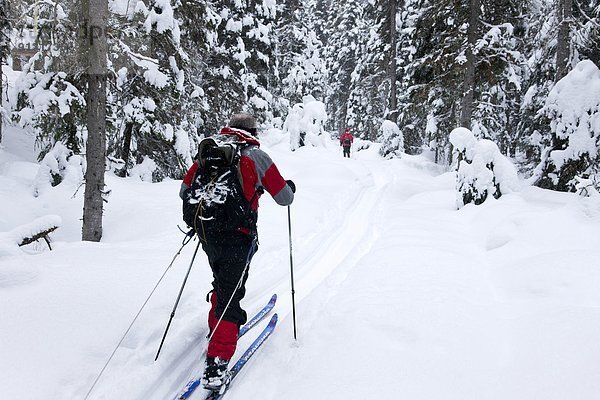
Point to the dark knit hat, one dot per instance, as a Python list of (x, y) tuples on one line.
[(243, 121)]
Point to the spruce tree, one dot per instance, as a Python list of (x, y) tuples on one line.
[(300, 63), (149, 66), (51, 99), (342, 31), (368, 103)]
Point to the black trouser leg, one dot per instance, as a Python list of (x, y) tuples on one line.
[(227, 260)]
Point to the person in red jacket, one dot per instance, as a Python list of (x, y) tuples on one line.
[(229, 253), (346, 141)]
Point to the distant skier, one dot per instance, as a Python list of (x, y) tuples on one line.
[(346, 142), (233, 164)]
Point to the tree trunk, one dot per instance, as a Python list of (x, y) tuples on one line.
[(4, 48), (467, 105), (126, 149), (563, 41), (392, 71), (96, 12), (1, 94)]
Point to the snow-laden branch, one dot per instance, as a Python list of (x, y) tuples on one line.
[(29, 233)]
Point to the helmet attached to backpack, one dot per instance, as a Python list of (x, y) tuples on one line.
[(213, 154)]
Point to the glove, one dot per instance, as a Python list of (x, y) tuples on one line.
[(291, 185)]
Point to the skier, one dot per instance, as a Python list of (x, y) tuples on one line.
[(229, 251), (346, 141)]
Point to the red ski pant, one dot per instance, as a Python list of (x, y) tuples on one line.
[(224, 339), (228, 259)]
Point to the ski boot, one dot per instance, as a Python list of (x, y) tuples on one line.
[(216, 375)]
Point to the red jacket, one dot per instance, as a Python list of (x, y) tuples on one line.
[(346, 135), (256, 168)]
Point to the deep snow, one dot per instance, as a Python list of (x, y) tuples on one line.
[(398, 294)]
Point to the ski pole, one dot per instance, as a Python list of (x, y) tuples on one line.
[(292, 270), (185, 241), (177, 301)]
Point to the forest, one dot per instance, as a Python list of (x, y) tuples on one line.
[(175, 70)]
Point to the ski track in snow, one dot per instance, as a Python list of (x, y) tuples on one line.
[(333, 250)]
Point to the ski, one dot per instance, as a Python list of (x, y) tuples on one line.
[(259, 316), (194, 383), (218, 395)]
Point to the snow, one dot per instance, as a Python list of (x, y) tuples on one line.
[(398, 294)]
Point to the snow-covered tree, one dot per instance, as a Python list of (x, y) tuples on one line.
[(307, 72), (305, 123), (342, 32), (240, 63), (573, 108), (149, 65), (532, 132), (301, 67), (579, 40), (370, 89), (481, 170), (5, 34), (434, 77), (413, 135), (463, 67), (51, 90), (393, 140), (500, 74)]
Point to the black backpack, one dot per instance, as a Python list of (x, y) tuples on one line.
[(347, 142), (215, 202)]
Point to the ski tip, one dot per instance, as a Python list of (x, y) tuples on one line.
[(274, 298), (273, 319)]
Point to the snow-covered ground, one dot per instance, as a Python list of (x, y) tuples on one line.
[(398, 294)]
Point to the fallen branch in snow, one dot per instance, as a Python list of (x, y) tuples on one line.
[(35, 230), (38, 236)]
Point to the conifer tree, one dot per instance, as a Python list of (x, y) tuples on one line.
[(299, 59), (436, 74), (464, 64), (149, 65), (342, 32), (51, 99), (368, 104), (239, 66)]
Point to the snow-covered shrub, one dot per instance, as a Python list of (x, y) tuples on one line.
[(393, 140), (58, 165), (573, 107), (305, 123), (481, 169), (144, 170)]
